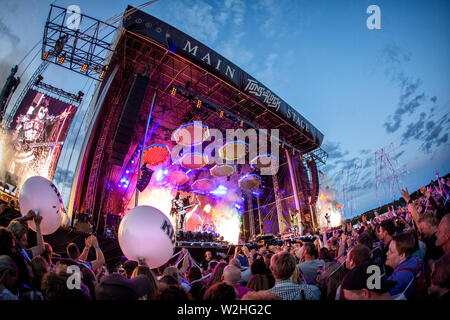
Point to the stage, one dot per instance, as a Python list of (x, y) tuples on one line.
[(175, 125)]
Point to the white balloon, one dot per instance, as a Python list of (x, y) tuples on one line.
[(145, 232), (42, 196)]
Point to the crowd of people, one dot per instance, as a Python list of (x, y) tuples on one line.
[(402, 255)]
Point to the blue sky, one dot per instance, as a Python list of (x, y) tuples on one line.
[(364, 89)]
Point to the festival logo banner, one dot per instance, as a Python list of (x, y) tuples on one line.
[(39, 129)]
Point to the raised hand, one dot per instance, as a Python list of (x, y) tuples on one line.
[(425, 191), (405, 194), (37, 220), (94, 241), (141, 262), (30, 215), (88, 242)]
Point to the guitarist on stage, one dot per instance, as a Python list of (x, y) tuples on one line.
[(179, 206)]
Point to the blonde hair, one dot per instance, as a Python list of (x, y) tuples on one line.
[(144, 270), (296, 276)]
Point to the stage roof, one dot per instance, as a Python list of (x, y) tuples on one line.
[(178, 59)]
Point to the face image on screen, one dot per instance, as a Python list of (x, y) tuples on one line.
[(38, 131)]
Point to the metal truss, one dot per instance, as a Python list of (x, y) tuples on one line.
[(28, 86), (81, 49), (69, 98)]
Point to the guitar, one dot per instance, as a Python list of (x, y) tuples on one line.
[(181, 209)]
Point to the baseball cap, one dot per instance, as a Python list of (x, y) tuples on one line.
[(117, 287), (357, 278)]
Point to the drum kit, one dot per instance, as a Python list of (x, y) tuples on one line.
[(192, 134)]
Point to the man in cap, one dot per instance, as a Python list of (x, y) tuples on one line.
[(361, 284)]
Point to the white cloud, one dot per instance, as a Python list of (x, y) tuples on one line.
[(273, 14), (267, 74), (196, 20), (237, 7), (234, 51)]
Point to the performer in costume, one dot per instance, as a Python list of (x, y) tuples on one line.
[(327, 217), (179, 206), (294, 222)]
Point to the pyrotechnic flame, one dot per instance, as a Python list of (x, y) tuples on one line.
[(227, 223), (335, 218), (160, 198), (327, 204)]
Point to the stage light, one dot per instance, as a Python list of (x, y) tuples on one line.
[(61, 60), (44, 57), (84, 67), (199, 103), (159, 175), (174, 91), (128, 171), (220, 191)]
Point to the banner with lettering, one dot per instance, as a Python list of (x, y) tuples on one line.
[(180, 43)]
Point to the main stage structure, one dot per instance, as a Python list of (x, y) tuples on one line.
[(156, 79)]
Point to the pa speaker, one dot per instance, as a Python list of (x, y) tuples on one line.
[(315, 181), (304, 185), (128, 119), (146, 175)]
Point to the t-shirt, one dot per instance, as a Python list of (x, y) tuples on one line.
[(243, 260), (309, 269), (246, 273), (242, 290)]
